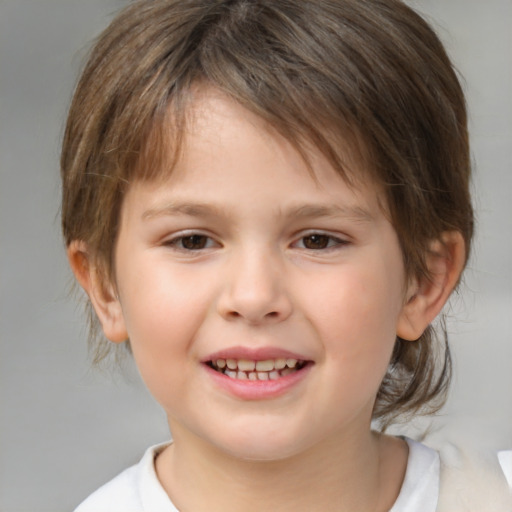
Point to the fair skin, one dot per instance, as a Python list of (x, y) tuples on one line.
[(242, 257)]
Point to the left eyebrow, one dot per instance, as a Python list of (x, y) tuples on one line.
[(356, 213)]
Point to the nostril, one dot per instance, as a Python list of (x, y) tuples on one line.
[(253, 307), (270, 314)]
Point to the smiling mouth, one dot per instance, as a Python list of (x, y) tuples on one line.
[(244, 369)]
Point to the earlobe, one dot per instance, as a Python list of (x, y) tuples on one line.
[(100, 290), (426, 297)]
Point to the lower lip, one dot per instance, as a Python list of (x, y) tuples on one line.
[(259, 389)]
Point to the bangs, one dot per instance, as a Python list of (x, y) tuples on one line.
[(157, 148)]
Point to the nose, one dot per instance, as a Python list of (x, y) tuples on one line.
[(255, 289)]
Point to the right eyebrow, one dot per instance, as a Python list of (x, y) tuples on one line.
[(190, 209)]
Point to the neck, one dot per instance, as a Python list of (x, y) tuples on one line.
[(354, 476)]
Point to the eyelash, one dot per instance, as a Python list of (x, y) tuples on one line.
[(179, 242), (325, 241), (333, 242)]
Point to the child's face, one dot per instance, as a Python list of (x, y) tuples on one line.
[(242, 255)]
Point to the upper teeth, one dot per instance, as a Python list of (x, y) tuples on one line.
[(246, 365)]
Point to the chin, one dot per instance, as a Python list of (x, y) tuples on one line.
[(262, 445), (256, 452)]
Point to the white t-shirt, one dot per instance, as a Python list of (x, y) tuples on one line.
[(505, 459), (138, 489)]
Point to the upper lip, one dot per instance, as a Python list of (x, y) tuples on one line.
[(254, 354)]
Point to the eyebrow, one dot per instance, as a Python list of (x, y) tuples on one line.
[(190, 209), (356, 213), (307, 211)]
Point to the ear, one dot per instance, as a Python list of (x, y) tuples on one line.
[(100, 290), (426, 297)]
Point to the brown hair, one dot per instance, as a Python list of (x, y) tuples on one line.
[(368, 72)]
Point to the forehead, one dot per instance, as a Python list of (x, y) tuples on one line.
[(209, 118), (226, 149)]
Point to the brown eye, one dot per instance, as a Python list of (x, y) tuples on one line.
[(317, 241), (194, 242)]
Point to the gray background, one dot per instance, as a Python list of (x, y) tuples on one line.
[(65, 428)]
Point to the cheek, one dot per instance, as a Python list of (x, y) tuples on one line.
[(355, 322), (156, 292), (361, 301), (163, 311), (356, 314)]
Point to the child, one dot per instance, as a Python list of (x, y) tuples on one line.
[(268, 202)]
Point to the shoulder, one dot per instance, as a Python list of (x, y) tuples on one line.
[(120, 493), (136, 489), (475, 480), (453, 478), (505, 458)]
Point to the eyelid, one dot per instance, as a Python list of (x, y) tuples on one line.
[(173, 241), (340, 240)]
